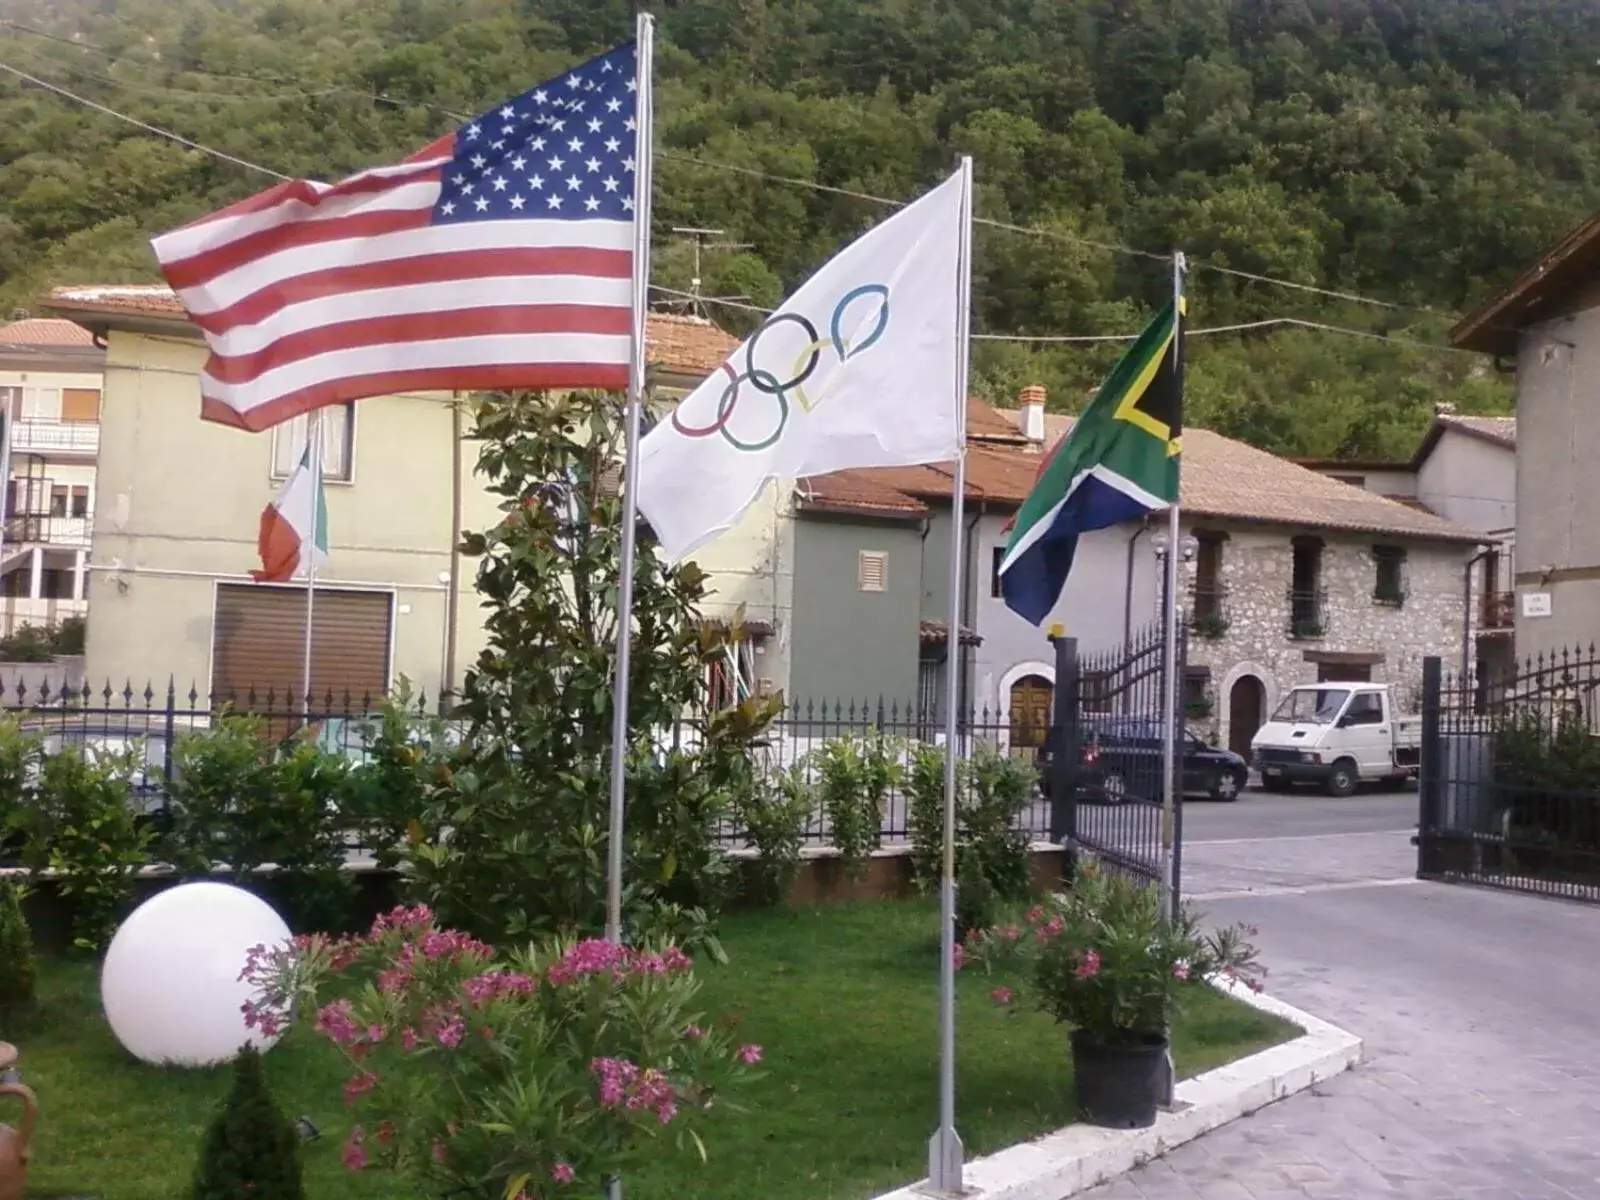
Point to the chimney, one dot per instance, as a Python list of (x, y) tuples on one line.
[(1030, 413), (1443, 408)]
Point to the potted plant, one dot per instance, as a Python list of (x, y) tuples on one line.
[(1110, 964)]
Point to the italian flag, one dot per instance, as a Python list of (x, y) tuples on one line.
[(285, 541)]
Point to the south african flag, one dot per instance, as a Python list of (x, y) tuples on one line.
[(1119, 462)]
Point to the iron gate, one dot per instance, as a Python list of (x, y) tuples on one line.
[(1105, 755), (1510, 785)]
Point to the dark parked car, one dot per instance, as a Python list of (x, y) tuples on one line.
[(1122, 755)]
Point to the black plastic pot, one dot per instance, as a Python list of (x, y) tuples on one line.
[(1119, 1085)]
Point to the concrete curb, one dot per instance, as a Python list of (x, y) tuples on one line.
[(1080, 1157)]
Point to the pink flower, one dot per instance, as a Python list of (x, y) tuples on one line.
[(376, 1033), (1253, 984), (959, 957), (336, 1024), (451, 1032), (750, 1055), (676, 960), (1089, 967), (693, 1033), (409, 1039), (359, 1086), (438, 1150), (1001, 995), (404, 920), (563, 1173), (354, 1156), (1011, 933), (1180, 969), (386, 1132)]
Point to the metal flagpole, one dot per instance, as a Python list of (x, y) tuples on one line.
[(630, 514), (644, 51), (1169, 747), (314, 448), (945, 1152)]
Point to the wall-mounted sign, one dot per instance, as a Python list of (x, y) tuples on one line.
[(1536, 604)]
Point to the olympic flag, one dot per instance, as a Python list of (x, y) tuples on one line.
[(862, 367)]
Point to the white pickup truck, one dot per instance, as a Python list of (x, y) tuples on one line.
[(1337, 735)]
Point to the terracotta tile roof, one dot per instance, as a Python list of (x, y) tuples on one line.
[(939, 631), (1494, 429), (859, 492), (45, 331), (1494, 326), (1222, 478), (691, 345), (985, 423)]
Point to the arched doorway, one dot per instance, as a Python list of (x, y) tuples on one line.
[(1247, 702), (1030, 713)]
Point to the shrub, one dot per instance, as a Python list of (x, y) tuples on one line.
[(924, 788), (479, 1075), (977, 904), (28, 644), (772, 816), (17, 965), (82, 827), (856, 773), (1002, 787), (410, 755), (251, 1149), (240, 801), (19, 766), (68, 637)]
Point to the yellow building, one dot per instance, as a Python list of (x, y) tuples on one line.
[(50, 380), (179, 501)]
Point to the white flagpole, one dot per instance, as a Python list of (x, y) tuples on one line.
[(1169, 747), (644, 45), (314, 455), (945, 1152)]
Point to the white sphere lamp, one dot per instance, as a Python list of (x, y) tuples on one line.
[(170, 983)]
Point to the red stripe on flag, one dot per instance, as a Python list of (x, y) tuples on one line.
[(421, 327), (429, 268), (204, 267), (600, 376)]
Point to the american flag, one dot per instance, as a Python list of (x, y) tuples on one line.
[(500, 256)]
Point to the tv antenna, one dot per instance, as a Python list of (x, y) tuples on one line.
[(696, 302)]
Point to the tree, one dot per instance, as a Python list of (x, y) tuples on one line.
[(527, 811), (251, 1151)]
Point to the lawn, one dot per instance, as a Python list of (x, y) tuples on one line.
[(843, 998)]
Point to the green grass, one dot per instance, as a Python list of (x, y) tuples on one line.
[(844, 999)]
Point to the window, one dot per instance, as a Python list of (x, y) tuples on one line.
[(1208, 577), (1343, 672), (55, 584), (58, 501), (994, 572), (1196, 698), (11, 402), (1307, 618), (41, 404), (1366, 708), (338, 436), (872, 571), (730, 677), (80, 502), (1389, 585), (80, 405)]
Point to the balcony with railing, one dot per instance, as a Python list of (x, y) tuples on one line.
[(1308, 613), (36, 530), (1499, 612), (36, 435)]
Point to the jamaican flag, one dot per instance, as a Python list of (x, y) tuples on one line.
[(1119, 462)]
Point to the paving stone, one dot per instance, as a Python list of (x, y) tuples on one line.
[(1482, 1078)]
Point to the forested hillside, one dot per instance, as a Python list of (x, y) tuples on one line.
[(1417, 151)]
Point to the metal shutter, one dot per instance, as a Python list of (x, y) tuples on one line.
[(258, 637)]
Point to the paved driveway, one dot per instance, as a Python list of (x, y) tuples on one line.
[(1479, 1011)]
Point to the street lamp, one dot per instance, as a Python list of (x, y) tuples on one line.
[(1188, 546)]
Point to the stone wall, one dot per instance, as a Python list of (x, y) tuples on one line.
[(1257, 573)]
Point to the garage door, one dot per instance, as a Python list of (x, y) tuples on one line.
[(258, 641)]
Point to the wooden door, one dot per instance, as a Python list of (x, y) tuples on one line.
[(1246, 703), (1030, 712)]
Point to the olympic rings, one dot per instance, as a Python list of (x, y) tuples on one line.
[(805, 364)]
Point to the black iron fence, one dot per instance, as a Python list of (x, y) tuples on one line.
[(1510, 784), (147, 723), (1106, 757)]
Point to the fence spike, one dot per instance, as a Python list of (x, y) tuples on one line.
[(194, 694), (149, 695)]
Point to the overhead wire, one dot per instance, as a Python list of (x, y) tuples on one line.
[(768, 176), (144, 125), (164, 90)]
